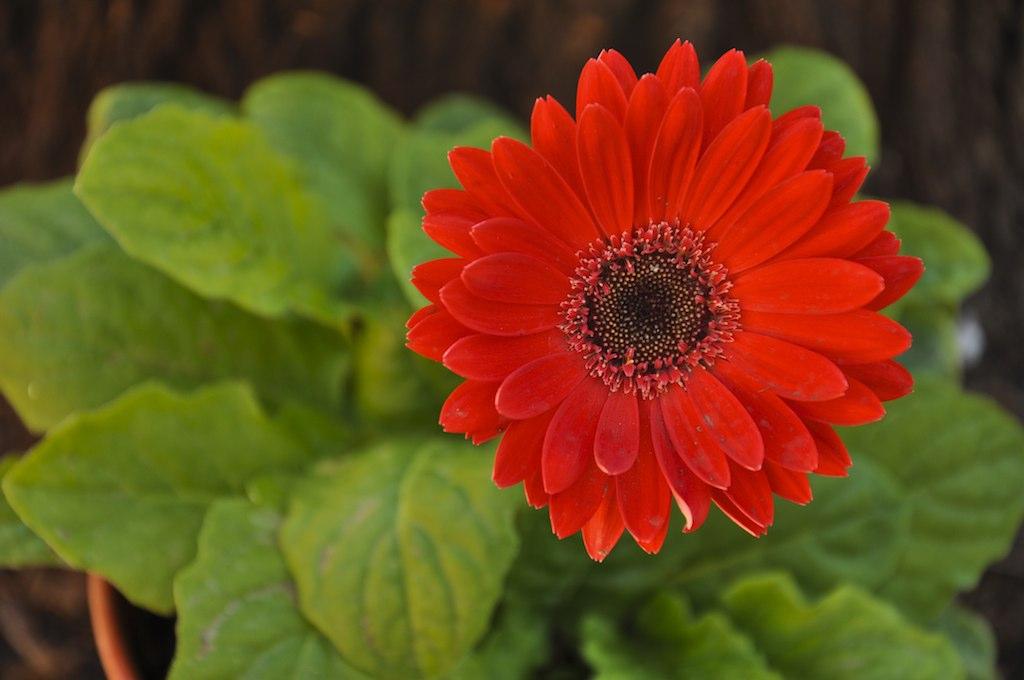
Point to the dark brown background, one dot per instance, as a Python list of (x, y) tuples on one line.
[(947, 77)]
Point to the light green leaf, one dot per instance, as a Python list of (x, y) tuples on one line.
[(847, 634), (77, 332), (457, 112), (340, 136), (399, 553), (130, 100), (807, 76), (19, 547), (122, 491), (959, 461), (419, 164), (956, 263), (666, 641), (237, 615), (42, 222), (973, 640), (208, 201)]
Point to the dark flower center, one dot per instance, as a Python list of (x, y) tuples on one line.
[(650, 305), (647, 307)]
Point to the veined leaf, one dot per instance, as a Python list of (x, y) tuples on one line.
[(399, 553), (122, 491), (42, 222), (19, 547), (77, 332)]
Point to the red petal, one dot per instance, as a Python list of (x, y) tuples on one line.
[(516, 278), (830, 150), (644, 115), (452, 201), (452, 232), (882, 245), (618, 433), (849, 175), (723, 93), (474, 168), (859, 406), (733, 512), (679, 68), (540, 385), (644, 498), (759, 84), (788, 370), (752, 494), (518, 455), (486, 316), (793, 116), (553, 134), (469, 409), (690, 493), (533, 488), (604, 529), (808, 286), (725, 167), (833, 460), (652, 546), (859, 336), (900, 273), (598, 85), (887, 379), (725, 419), (504, 234), (842, 231), (542, 193), (622, 69), (606, 168), (675, 154), (787, 155), (791, 485), (695, 447), (432, 336), (569, 444), (421, 314), (776, 220), (492, 357), (786, 440), (570, 509), (428, 277)]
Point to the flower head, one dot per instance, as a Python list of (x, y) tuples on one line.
[(671, 297)]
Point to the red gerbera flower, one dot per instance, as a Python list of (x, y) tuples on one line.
[(670, 297)]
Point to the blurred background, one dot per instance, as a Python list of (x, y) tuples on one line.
[(946, 77)]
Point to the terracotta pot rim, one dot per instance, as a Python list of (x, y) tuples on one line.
[(107, 630)]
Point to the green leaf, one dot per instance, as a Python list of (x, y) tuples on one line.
[(666, 641), (936, 348), (122, 491), (959, 460), (419, 164), (516, 646), (973, 640), (956, 263), (207, 201), (340, 136), (457, 112), (42, 222), (19, 547), (237, 615), (130, 100), (77, 332), (847, 634), (807, 76), (399, 553)]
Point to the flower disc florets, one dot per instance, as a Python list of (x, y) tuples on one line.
[(648, 306)]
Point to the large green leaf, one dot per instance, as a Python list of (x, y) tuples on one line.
[(807, 76), (514, 648), (130, 100), (19, 547), (847, 634), (122, 491), (77, 332), (956, 263), (208, 201), (973, 640), (959, 461), (666, 641), (457, 112), (936, 348), (237, 615), (41, 222), (340, 137), (399, 553)]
